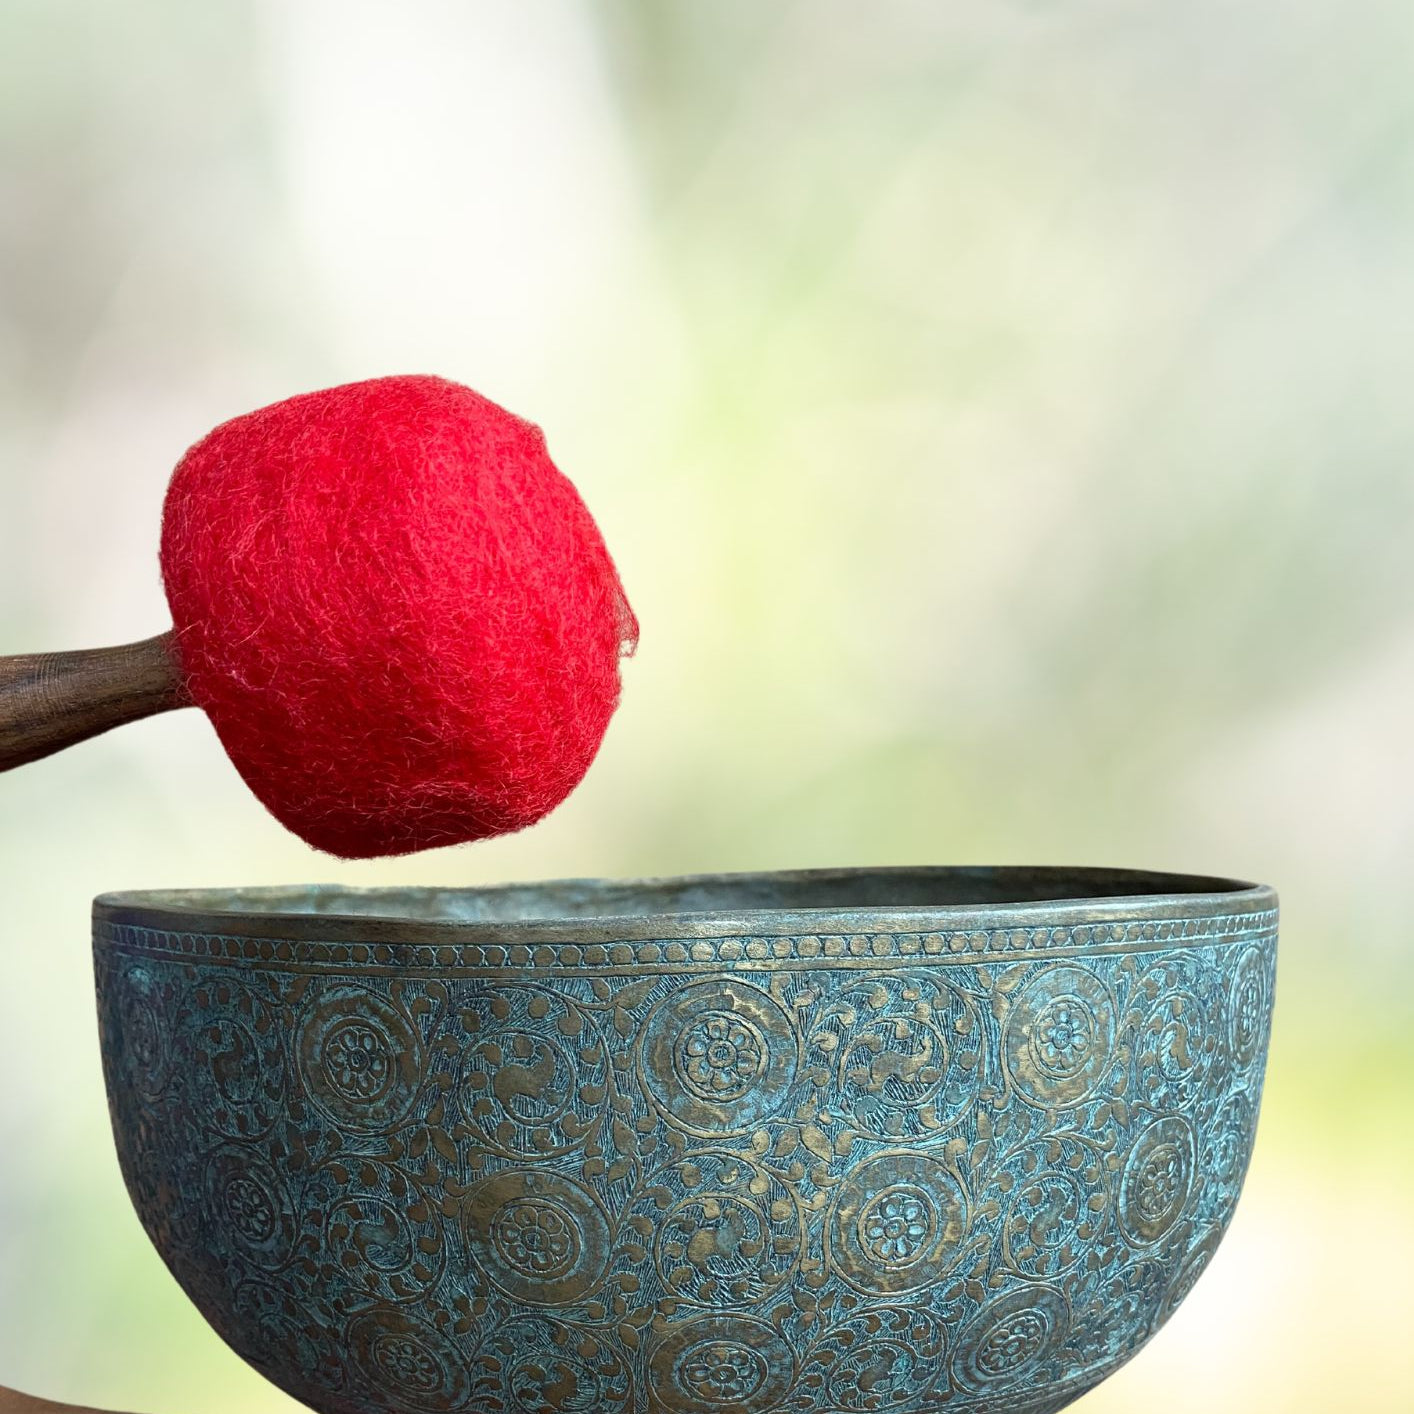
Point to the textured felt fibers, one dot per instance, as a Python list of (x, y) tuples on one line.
[(399, 615)]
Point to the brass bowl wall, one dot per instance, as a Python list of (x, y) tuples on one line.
[(835, 1141)]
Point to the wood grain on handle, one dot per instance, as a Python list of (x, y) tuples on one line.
[(51, 700)]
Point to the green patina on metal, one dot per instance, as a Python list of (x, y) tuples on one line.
[(831, 1141)]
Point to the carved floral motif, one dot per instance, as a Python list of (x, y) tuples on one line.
[(857, 1174)]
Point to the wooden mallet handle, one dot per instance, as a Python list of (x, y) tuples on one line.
[(51, 700)]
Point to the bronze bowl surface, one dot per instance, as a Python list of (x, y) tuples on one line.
[(855, 1140)]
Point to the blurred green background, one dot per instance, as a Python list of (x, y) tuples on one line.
[(1002, 415)]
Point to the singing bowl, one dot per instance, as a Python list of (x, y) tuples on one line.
[(861, 1140)]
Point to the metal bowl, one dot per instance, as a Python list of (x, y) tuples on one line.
[(855, 1140)]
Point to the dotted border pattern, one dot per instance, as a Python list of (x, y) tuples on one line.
[(831, 950)]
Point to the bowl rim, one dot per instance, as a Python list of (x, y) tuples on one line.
[(1151, 895)]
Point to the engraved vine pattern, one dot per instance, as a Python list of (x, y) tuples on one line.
[(806, 1174)]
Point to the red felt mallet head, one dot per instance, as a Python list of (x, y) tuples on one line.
[(399, 615)]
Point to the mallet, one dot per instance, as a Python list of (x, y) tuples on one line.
[(398, 614)]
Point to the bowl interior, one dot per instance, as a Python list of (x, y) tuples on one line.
[(928, 890)]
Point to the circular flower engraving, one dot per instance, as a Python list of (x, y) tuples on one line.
[(1158, 1191), (406, 1363), (248, 1201), (721, 1363), (721, 1371), (718, 1057), (414, 1363), (1064, 1037), (1247, 1015), (1016, 1341), (1059, 1036), (360, 1057), (896, 1227), (356, 1061), (250, 1209), (896, 1222), (535, 1238), (1157, 1179), (1007, 1340), (541, 1237), (665, 1188), (1251, 1009)]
